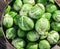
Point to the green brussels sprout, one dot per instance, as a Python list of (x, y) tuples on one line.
[(10, 33), (32, 46), (44, 44), (52, 1), (21, 33), (42, 1), (13, 14), (32, 36), (44, 35), (7, 10), (51, 8), (53, 37), (25, 9), (7, 21), (17, 5), (18, 43), (16, 18), (42, 25), (56, 16), (47, 15), (32, 2), (25, 23), (55, 26), (37, 11)]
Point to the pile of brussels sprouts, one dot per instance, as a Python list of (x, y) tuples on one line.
[(32, 24)]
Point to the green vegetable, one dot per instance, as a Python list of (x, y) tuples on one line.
[(10, 33), (51, 8), (21, 33), (32, 36), (7, 21), (42, 1), (25, 23), (47, 15), (17, 5), (25, 9), (13, 14), (1, 32), (16, 18), (37, 11), (32, 2), (7, 10), (32, 46), (44, 44), (55, 26), (52, 1), (18, 43), (42, 25), (56, 16), (53, 37)]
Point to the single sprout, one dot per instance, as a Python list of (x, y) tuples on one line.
[(7, 10), (47, 15), (44, 35), (13, 14), (37, 11), (25, 23), (16, 18), (25, 9), (55, 26), (52, 1), (42, 1), (17, 5), (56, 16), (32, 36), (21, 33), (7, 21), (32, 46), (32, 2), (44, 44), (53, 37), (51, 8), (42, 26), (18, 43), (10, 33)]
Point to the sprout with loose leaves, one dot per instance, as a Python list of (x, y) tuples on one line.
[(53, 37)]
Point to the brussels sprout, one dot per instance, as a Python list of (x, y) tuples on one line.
[(32, 46), (52, 1), (25, 23), (47, 15), (55, 26), (42, 1), (10, 33), (37, 11), (56, 16), (53, 37), (43, 36), (44, 44), (21, 33), (7, 10), (13, 14), (32, 36), (42, 25), (16, 18), (32, 2), (18, 43), (25, 9), (7, 21), (17, 5), (51, 8)]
